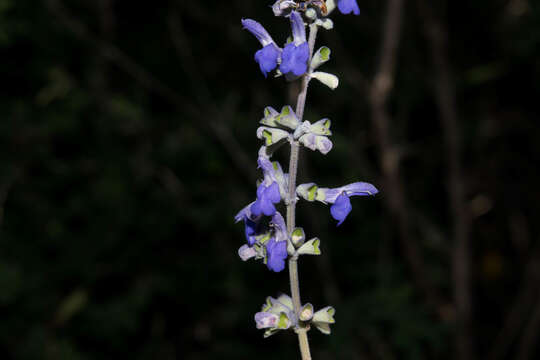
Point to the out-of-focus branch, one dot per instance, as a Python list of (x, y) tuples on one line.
[(221, 133), (436, 35), (379, 91), (216, 121)]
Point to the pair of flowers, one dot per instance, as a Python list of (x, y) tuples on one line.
[(293, 58), (269, 242)]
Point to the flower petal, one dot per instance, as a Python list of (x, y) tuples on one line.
[(267, 58), (246, 252), (245, 213), (267, 207), (280, 228), (298, 28), (360, 189), (348, 6), (272, 193), (266, 320), (251, 229), (256, 208), (277, 253), (258, 31), (294, 59), (341, 208)]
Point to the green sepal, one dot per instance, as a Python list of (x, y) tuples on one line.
[(283, 322), (322, 327), (270, 135), (325, 315), (267, 137), (286, 300), (310, 248), (327, 79), (298, 236), (270, 115), (291, 250), (312, 192), (321, 127), (323, 318), (287, 118), (320, 57), (270, 332), (276, 307), (321, 195), (307, 191), (263, 238)]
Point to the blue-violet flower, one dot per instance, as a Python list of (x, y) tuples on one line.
[(267, 196), (348, 6), (295, 54), (268, 56)]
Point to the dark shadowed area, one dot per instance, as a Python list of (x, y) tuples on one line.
[(127, 145)]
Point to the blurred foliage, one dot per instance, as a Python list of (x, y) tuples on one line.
[(118, 184)]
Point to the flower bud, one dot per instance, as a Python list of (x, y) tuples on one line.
[(246, 252), (307, 191), (327, 79), (271, 136), (323, 318), (288, 118), (310, 248), (311, 14), (298, 237), (325, 23), (321, 127), (325, 315), (320, 57), (269, 118), (306, 313)]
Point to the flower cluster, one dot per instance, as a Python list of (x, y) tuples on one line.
[(268, 236), (292, 59), (278, 314)]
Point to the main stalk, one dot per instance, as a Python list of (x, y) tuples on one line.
[(301, 329)]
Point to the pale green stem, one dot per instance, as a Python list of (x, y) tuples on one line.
[(301, 329)]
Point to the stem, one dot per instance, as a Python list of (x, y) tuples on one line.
[(301, 329)]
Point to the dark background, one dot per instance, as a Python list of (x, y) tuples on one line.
[(127, 146)]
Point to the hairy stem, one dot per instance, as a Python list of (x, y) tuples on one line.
[(301, 329)]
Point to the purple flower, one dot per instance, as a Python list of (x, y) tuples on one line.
[(265, 320), (251, 230), (295, 54), (279, 226), (339, 198), (267, 196), (294, 59), (268, 56), (348, 6), (276, 314), (252, 223), (277, 253), (341, 208)]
